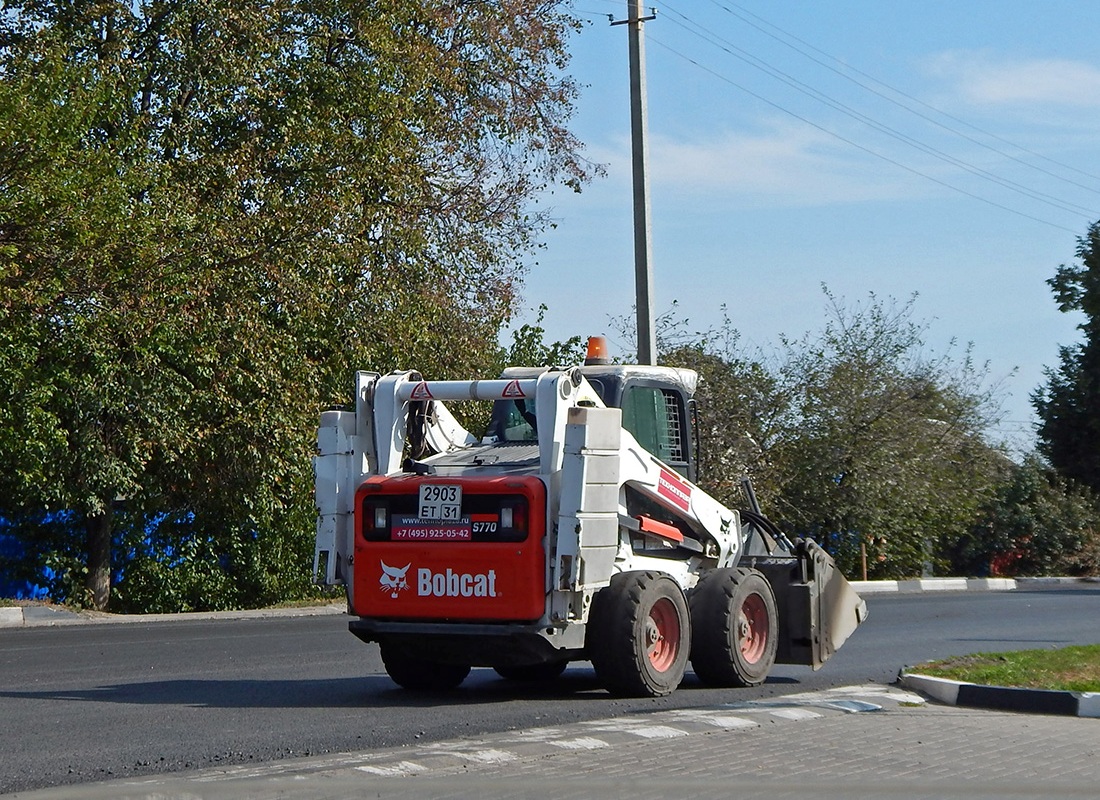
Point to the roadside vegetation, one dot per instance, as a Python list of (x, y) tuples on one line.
[(1072, 669), (859, 436), (213, 212)]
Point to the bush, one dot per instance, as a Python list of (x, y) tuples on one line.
[(1037, 524)]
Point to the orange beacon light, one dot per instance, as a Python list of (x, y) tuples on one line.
[(597, 351)]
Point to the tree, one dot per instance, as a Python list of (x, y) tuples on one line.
[(853, 435), (73, 328), (1037, 523), (885, 448), (1069, 404), (214, 212), (530, 349)]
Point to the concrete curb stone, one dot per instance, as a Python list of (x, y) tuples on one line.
[(47, 616), (36, 616), (1054, 581), (935, 585), (1002, 698)]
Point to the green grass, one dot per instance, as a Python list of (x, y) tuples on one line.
[(1074, 669)]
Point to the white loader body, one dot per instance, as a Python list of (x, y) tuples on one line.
[(458, 551)]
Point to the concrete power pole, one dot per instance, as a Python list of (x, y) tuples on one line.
[(643, 269)]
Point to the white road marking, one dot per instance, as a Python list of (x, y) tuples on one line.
[(794, 713), (724, 721), (581, 743), (398, 770), (657, 732), (489, 756)]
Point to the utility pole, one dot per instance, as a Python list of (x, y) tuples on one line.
[(643, 269)]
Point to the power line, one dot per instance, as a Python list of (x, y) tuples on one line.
[(745, 17), (855, 144), (731, 49)]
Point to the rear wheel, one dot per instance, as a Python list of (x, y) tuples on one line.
[(734, 628), (546, 671), (639, 635), (415, 673)]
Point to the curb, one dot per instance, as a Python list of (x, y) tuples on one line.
[(935, 585), (44, 616), (1054, 581), (38, 616), (1002, 698)]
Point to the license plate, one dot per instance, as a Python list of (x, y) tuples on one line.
[(440, 501)]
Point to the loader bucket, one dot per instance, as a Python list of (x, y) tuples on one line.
[(818, 609)]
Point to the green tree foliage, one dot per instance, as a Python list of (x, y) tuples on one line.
[(885, 445), (75, 252), (853, 435), (1037, 523), (1069, 404), (530, 349), (212, 213)]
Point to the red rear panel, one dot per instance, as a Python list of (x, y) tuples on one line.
[(466, 549)]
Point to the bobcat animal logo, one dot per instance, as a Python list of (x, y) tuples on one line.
[(393, 579)]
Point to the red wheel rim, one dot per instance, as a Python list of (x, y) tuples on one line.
[(753, 628), (662, 634)]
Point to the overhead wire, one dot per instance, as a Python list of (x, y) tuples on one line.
[(859, 146), (745, 17), (751, 60), (693, 28)]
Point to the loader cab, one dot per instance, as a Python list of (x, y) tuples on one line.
[(657, 410), (657, 405)]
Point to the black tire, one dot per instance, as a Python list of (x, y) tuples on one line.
[(734, 628), (417, 674), (639, 635), (546, 671)]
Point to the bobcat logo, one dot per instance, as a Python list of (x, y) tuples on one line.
[(393, 579)]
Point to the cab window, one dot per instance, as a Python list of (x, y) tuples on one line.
[(514, 420), (655, 418)]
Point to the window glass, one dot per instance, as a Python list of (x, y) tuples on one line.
[(516, 420), (652, 415)]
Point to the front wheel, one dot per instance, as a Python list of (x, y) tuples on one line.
[(417, 674), (639, 635), (734, 628)]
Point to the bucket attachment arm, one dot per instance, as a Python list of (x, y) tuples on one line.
[(818, 608)]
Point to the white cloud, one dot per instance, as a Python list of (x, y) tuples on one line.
[(786, 165), (990, 80)]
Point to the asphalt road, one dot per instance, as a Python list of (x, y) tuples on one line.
[(88, 703)]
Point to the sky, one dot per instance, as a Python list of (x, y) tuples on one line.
[(946, 151)]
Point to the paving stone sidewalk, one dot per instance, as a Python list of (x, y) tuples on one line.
[(855, 742)]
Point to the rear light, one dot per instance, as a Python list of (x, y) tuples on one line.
[(488, 517), (376, 522), (513, 516)]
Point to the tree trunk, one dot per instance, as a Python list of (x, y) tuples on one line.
[(98, 582)]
